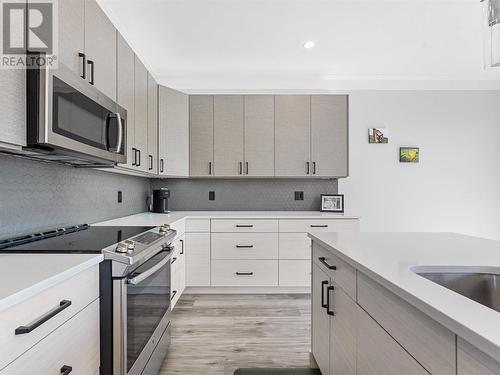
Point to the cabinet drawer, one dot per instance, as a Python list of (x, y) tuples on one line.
[(245, 225), (319, 225), (197, 225), (81, 290), (75, 344), (245, 246), (294, 246), (379, 354), (426, 340), (244, 273), (295, 273), (344, 274)]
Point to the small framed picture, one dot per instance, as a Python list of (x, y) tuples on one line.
[(332, 203), (409, 155)]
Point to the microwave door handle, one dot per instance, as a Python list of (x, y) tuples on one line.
[(144, 275), (120, 133), (106, 130)]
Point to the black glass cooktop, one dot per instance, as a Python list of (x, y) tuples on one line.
[(83, 239)]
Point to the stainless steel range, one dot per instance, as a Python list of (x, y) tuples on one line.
[(134, 289)]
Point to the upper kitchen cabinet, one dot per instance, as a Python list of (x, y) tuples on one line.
[(125, 92), (259, 135), (329, 135), (293, 135), (228, 135), (72, 35), (141, 116), (13, 104), (100, 49), (152, 125), (173, 145), (201, 135)]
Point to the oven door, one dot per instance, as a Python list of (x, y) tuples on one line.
[(65, 112), (147, 311)]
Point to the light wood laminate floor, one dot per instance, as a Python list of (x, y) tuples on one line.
[(216, 334)]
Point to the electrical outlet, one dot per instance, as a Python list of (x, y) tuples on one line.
[(299, 195), (211, 195), (120, 197)]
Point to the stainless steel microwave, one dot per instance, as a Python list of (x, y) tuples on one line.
[(71, 121)]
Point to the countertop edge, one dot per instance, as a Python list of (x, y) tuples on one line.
[(39, 287), (459, 329)]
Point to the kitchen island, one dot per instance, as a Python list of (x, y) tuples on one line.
[(373, 313)]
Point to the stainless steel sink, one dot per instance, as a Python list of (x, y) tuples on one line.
[(480, 287)]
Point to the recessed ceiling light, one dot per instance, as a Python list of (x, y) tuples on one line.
[(309, 44)]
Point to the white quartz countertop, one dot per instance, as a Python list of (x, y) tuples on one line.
[(25, 275), (391, 258), (149, 218)]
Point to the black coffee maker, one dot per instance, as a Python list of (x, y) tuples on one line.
[(160, 201)]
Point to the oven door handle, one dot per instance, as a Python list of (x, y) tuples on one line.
[(144, 275)]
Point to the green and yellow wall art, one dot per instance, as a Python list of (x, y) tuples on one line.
[(409, 155)]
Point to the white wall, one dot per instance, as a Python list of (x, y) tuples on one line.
[(456, 185)]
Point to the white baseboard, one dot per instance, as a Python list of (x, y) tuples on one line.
[(246, 290)]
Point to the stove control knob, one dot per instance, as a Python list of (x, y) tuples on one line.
[(121, 247), (130, 245)]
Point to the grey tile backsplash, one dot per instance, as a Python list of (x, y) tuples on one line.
[(246, 194), (36, 196)]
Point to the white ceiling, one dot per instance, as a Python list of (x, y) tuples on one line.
[(257, 45)]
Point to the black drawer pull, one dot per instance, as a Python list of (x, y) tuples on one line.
[(182, 247), (65, 370), (329, 266), (21, 330), (84, 64), (91, 65), (174, 292), (244, 246), (319, 226), (244, 273), (328, 290), (244, 226), (173, 260), (323, 304), (150, 162)]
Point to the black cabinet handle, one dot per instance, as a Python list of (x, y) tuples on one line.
[(65, 370), (308, 169), (314, 167), (241, 167), (244, 273), (21, 330), (134, 162), (244, 246), (328, 290), (161, 165), (244, 226), (150, 162), (246, 165), (174, 292), (323, 283), (319, 226), (173, 260), (209, 167), (138, 159), (329, 266), (84, 65), (91, 65), (182, 246)]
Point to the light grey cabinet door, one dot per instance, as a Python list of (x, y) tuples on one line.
[(201, 135), (343, 333), (259, 135), (293, 135), (329, 135), (13, 107), (378, 353), (125, 93), (141, 115), (152, 125), (320, 319), (71, 34), (173, 115), (100, 48), (228, 135), (472, 361)]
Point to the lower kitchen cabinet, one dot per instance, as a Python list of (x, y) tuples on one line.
[(472, 361), (294, 272), (178, 270), (320, 320), (197, 259)]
